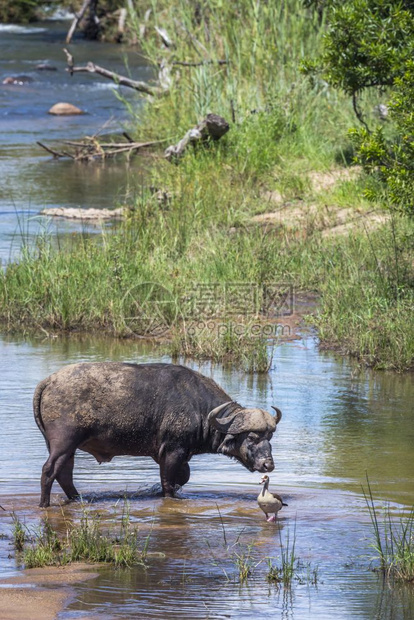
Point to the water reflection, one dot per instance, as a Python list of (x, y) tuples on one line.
[(394, 601), (371, 428)]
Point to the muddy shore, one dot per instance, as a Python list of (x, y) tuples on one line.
[(40, 593)]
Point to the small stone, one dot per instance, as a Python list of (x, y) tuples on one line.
[(18, 80), (62, 109)]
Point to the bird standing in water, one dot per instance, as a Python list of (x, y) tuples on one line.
[(270, 503)]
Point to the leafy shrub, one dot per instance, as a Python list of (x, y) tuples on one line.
[(392, 160), (370, 45)]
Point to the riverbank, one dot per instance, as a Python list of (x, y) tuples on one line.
[(40, 594), (271, 212)]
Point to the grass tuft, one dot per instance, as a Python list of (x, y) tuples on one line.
[(393, 540), (85, 541)]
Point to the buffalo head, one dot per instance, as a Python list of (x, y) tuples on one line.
[(247, 435)]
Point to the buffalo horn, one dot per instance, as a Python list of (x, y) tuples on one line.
[(278, 414), (212, 416)]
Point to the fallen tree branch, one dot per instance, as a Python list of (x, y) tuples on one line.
[(90, 149), (213, 127), (90, 67), (142, 87), (74, 213), (55, 154)]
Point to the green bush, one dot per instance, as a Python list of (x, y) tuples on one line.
[(392, 160), (369, 45), (21, 11)]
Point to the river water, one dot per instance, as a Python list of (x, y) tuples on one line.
[(339, 423), (30, 179)]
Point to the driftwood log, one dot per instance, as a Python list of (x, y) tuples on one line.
[(213, 127), (73, 213)]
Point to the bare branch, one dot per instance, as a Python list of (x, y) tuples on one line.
[(142, 87), (163, 34), (70, 60), (358, 111), (195, 42), (183, 63), (55, 154), (78, 17)]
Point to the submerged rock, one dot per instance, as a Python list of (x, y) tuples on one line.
[(18, 80), (61, 109)]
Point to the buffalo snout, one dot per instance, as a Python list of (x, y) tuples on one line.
[(265, 465)]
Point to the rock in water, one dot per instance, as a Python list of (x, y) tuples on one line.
[(44, 66), (18, 80), (62, 109)]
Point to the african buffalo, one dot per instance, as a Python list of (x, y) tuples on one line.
[(164, 411)]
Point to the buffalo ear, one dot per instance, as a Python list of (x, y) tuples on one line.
[(227, 445)]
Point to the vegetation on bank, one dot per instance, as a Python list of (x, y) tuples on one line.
[(288, 130), (89, 540), (24, 11), (369, 46), (105, 20)]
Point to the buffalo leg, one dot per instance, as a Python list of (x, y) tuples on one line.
[(65, 478), (50, 471), (183, 475), (174, 469)]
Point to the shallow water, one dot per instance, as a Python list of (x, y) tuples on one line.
[(337, 424), (30, 179)]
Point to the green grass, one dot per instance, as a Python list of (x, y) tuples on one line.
[(288, 568), (19, 534), (21, 11), (285, 570), (364, 282), (393, 540), (285, 127), (89, 540)]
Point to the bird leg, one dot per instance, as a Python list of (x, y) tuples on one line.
[(271, 519)]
